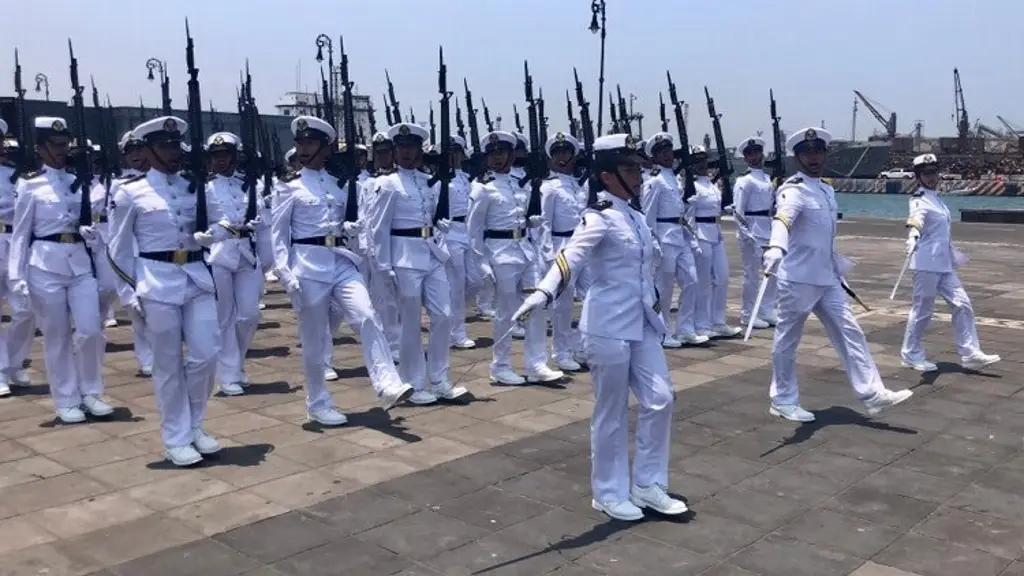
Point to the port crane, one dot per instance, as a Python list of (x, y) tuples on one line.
[(1012, 130), (876, 110), (963, 124)]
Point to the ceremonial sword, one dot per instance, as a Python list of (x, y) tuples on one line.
[(906, 264), (757, 304)]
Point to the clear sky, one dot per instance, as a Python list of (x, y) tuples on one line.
[(900, 53)]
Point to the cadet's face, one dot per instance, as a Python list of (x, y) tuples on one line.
[(930, 177), (754, 157), (630, 175), (498, 158), (222, 161), (700, 164), (664, 156), (55, 151), (812, 161), (406, 154), (135, 158), (361, 159), (383, 157), (165, 156), (310, 152), (457, 156), (563, 158)]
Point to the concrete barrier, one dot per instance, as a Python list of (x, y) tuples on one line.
[(992, 215), (955, 187)]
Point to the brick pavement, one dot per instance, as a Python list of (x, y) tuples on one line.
[(499, 484)]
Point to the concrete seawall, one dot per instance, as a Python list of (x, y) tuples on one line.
[(953, 187)]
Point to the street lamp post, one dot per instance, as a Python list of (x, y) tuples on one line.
[(598, 7), (321, 41), (165, 82), (43, 82)]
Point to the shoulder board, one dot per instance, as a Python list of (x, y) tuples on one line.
[(551, 176), (289, 177), (745, 172), (32, 175), (383, 172), (133, 179), (600, 205), (917, 193), (486, 178), (655, 171), (794, 180)]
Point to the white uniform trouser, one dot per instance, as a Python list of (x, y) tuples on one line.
[(457, 279), (185, 343), (385, 303), (16, 339), (795, 302), (73, 360), (482, 289), (348, 294), (617, 367), (751, 257), (143, 351), (713, 284), (565, 340), (678, 267), (510, 279), (238, 315), (419, 289), (947, 285)]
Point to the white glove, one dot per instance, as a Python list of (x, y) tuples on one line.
[(520, 211), (351, 228), (771, 259), (292, 286), (252, 224), (20, 288), (136, 306), (486, 272), (204, 239), (88, 233), (696, 248), (443, 225), (911, 245), (657, 251), (535, 300), (535, 221)]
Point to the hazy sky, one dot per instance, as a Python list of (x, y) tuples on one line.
[(813, 53)]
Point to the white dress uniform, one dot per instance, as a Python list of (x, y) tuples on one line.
[(712, 261), (934, 260), (457, 238), (16, 338), (318, 271), (382, 287), (753, 198), (141, 348), (810, 275), (236, 268), (561, 213), (498, 234), (622, 330), (666, 214), (412, 252), (49, 262)]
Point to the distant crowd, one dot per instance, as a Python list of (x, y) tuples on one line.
[(968, 166)]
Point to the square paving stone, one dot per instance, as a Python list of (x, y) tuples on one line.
[(276, 538), (202, 558), (941, 465), (761, 448), (422, 535), (429, 487), (892, 510), (893, 480), (727, 569), (982, 451), (830, 529), (691, 433), (860, 449), (543, 449), (780, 556), (979, 531), (707, 534), (495, 556), (727, 470), (549, 486), (492, 508), (837, 468), (360, 511), (752, 508), (1015, 569), (566, 533), (929, 557), (631, 555), (573, 570), (797, 485), (348, 556)]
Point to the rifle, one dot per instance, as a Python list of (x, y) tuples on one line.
[(433, 127), (328, 102), (165, 90), (474, 130), (542, 120), (387, 112), (83, 171), (373, 118), (247, 133), (536, 167), (104, 140), (724, 162), (623, 116), (587, 127), (487, 117), (27, 157), (661, 112), (444, 168), (348, 111), (779, 162), (683, 153), (195, 129), (396, 115), (573, 130), (412, 115), (611, 110), (515, 114), (458, 120)]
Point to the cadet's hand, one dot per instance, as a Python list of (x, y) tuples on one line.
[(657, 250), (695, 246), (534, 301), (20, 288), (88, 233), (443, 225), (251, 225), (204, 239), (535, 221), (486, 272), (912, 240), (771, 259), (351, 228), (136, 306), (292, 286)]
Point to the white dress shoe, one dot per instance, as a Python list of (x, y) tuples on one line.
[(886, 399), (204, 443), (71, 415), (919, 365), (97, 407), (422, 398), (759, 324), (445, 389), (568, 365), (791, 412), (328, 417), (146, 371), (464, 344), (182, 455), (656, 498), (394, 395), (110, 323), (724, 331), (544, 374), (20, 378), (692, 338), (979, 360), (329, 374), (5, 390), (507, 377), (625, 510), (518, 332), (231, 388), (671, 342)]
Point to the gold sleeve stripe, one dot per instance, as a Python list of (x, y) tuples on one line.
[(563, 268), (785, 221), (912, 223), (121, 273)]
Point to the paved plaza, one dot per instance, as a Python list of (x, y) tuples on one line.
[(499, 484)]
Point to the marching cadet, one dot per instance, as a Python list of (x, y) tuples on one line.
[(666, 216), (133, 156), (382, 288), (234, 262), (50, 263), (412, 252), (934, 261), (712, 262), (623, 333), (810, 277), (507, 257), (520, 159), (318, 271), (753, 196), (457, 239), (16, 339), (561, 214), (167, 283)]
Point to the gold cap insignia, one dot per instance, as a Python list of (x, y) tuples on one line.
[(301, 124), (751, 143), (811, 134), (559, 137), (57, 126), (218, 140), (170, 125), (630, 142), (404, 130), (494, 139), (379, 138), (342, 146)]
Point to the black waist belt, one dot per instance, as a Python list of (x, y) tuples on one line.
[(676, 220), (565, 234), (65, 238), (425, 232), (459, 219), (504, 234), (328, 241), (174, 256), (758, 213), (706, 219)]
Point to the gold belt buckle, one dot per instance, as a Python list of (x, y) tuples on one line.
[(67, 238), (329, 241), (179, 257), (517, 234), (425, 232)]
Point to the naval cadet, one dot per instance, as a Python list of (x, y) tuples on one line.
[(561, 213), (457, 239), (382, 288), (666, 215), (810, 277), (318, 271), (934, 260), (170, 286), (50, 263), (16, 339), (623, 333), (234, 262), (413, 253), (753, 198)]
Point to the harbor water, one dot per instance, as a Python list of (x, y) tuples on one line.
[(894, 206)]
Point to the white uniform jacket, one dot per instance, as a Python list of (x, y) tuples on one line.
[(808, 211), (662, 201), (227, 203), (707, 207), (401, 220), (497, 222), (930, 216), (753, 196), (560, 211)]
